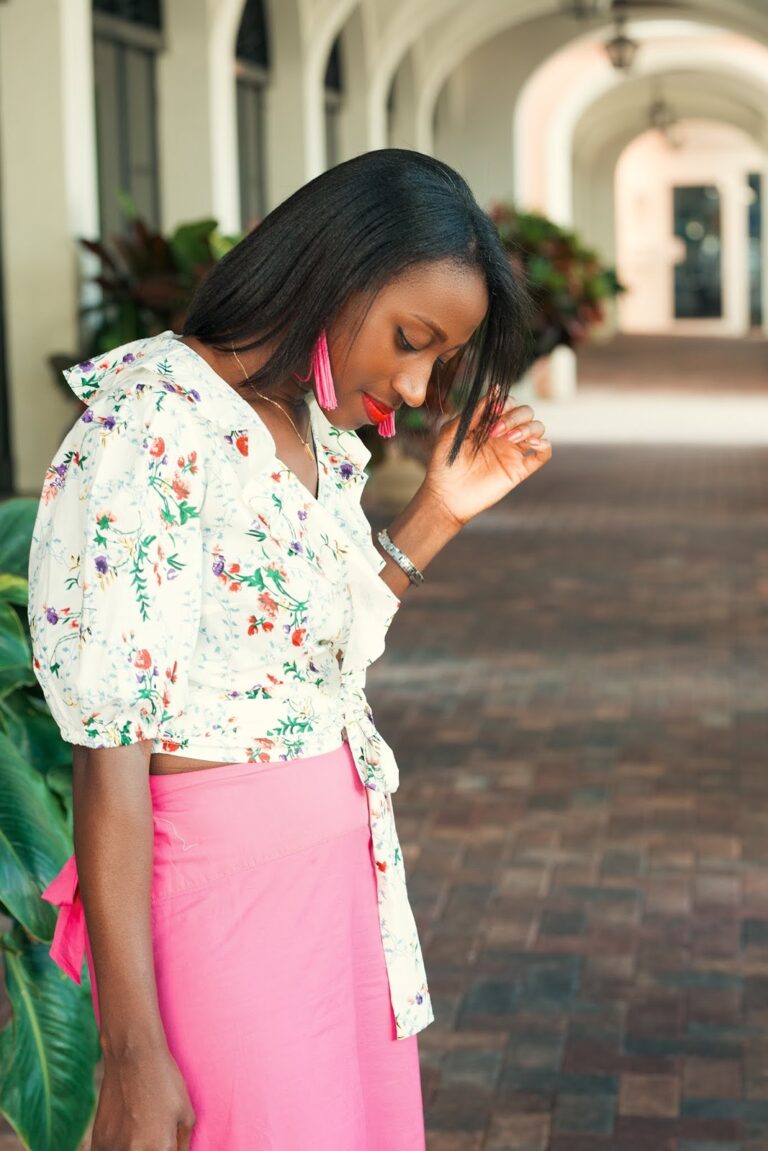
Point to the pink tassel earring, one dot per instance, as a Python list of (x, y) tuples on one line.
[(387, 427), (321, 370)]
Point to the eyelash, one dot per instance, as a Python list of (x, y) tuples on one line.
[(408, 347)]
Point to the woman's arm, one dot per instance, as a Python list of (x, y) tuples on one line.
[(452, 495), (421, 530), (143, 1095)]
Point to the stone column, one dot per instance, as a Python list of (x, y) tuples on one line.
[(46, 133)]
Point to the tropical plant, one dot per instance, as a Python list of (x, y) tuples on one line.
[(145, 283), (49, 1047), (568, 280)]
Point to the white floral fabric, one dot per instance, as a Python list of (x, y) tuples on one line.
[(186, 588)]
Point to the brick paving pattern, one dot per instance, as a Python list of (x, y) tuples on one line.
[(577, 697)]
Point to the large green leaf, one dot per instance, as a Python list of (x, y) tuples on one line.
[(190, 245), (34, 842), (17, 520), (15, 653), (48, 1051), (29, 725), (14, 589)]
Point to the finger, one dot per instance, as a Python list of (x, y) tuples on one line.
[(520, 432), (540, 448)]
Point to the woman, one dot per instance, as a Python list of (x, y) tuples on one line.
[(205, 596)]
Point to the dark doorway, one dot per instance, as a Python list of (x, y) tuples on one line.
[(698, 277), (755, 234)]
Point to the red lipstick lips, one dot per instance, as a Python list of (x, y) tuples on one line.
[(375, 410)]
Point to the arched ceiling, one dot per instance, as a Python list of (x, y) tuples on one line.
[(617, 117)]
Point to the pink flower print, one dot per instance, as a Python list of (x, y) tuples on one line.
[(143, 660), (241, 443), (170, 672), (188, 464), (180, 488), (170, 745), (381, 866), (268, 604), (276, 477), (158, 447), (297, 638)]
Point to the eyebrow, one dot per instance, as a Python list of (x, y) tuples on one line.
[(432, 325)]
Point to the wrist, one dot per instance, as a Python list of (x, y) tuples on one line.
[(423, 528), (131, 1042), (429, 504)]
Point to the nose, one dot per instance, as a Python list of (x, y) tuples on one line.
[(412, 386)]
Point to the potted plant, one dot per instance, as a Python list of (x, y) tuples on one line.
[(568, 281), (146, 282)]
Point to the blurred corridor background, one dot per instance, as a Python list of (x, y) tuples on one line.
[(577, 695)]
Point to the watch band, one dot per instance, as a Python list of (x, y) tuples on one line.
[(402, 561)]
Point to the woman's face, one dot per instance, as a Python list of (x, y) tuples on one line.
[(423, 316)]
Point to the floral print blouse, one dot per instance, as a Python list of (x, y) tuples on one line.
[(187, 588)]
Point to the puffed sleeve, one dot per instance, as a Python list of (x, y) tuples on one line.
[(115, 573)]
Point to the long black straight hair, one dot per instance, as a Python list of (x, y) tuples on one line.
[(350, 231)]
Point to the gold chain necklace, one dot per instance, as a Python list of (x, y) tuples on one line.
[(279, 407)]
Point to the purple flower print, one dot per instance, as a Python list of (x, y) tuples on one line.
[(194, 394), (102, 564), (218, 566), (313, 668), (52, 615), (139, 387), (172, 573), (86, 366), (128, 358), (302, 515), (109, 422), (296, 546), (87, 416), (169, 387), (346, 470), (419, 998), (61, 469)]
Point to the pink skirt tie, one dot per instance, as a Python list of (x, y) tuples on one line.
[(68, 946)]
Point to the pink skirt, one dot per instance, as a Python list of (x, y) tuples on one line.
[(268, 959)]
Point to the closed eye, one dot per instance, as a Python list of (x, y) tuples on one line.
[(407, 346)]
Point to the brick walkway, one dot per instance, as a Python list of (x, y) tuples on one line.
[(577, 698)]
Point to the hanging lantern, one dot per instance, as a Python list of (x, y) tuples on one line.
[(621, 48)]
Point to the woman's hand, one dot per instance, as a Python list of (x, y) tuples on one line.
[(143, 1104), (477, 480)]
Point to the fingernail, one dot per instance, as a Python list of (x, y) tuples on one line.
[(518, 435), (498, 429), (535, 441)]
